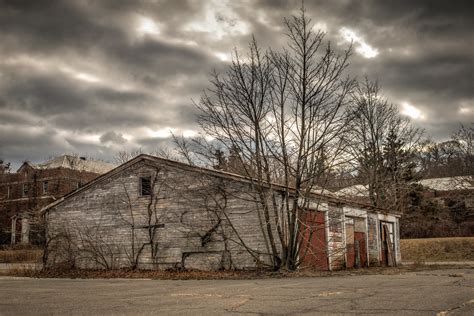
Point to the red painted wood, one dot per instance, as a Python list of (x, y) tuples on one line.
[(350, 250), (360, 236), (313, 249), (350, 255)]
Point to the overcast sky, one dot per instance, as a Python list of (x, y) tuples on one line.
[(96, 77)]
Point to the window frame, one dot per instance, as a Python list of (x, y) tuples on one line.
[(24, 193), (140, 186), (45, 187)]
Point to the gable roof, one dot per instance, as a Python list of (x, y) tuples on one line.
[(317, 193), (25, 165), (77, 163), (71, 162)]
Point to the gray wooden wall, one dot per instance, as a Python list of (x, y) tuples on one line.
[(112, 219), (201, 221)]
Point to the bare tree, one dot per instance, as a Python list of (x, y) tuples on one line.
[(94, 243), (124, 155), (450, 158), (138, 221), (281, 111), (382, 144), (465, 139)]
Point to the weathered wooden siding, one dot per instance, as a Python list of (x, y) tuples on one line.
[(189, 206), (202, 221), (374, 236), (336, 237)]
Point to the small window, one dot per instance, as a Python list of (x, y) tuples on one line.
[(9, 192), (78, 185), (25, 189), (145, 186), (45, 187)]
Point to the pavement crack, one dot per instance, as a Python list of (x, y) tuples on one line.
[(451, 310)]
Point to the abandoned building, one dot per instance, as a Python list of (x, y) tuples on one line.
[(452, 198), (154, 213), (25, 192)]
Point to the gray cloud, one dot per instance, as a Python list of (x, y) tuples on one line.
[(77, 76), (112, 137)]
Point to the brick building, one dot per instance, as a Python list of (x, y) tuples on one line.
[(24, 192), (155, 213)]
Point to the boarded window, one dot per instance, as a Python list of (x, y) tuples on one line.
[(25, 190), (349, 231), (145, 186), (45, 187)]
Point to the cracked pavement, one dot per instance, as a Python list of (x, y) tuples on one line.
[(434, 292)]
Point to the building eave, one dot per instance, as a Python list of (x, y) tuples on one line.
[(212, 172)]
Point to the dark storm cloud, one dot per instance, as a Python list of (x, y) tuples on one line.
[(49, 26), (112, 137), (422, 74), (71, 104), (87, 77), (154, 62), (20, 143), (425, 54)]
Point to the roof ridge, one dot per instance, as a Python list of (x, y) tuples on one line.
[(188, 166)]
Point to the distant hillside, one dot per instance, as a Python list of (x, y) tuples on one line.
[(459, 183), (436, 207)]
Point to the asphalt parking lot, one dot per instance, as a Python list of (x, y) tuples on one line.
[(442, 292)]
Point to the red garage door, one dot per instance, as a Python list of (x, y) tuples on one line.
[(313, 247)]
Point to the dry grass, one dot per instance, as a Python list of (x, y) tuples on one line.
[(417, 250), (180, 275), (210, 275), (20, 255), (438, 249)]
